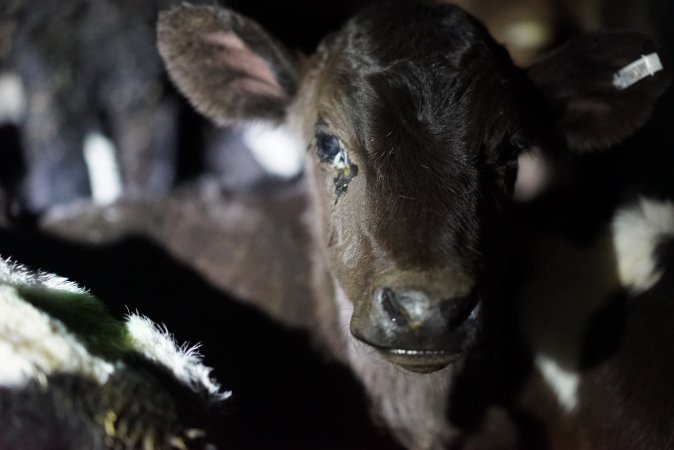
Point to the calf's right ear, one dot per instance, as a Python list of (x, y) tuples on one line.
[(230, 69)]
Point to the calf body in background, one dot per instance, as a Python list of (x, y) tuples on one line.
[(413, 119), (74, 377), (83, 84), (595, 315), (93, 84)]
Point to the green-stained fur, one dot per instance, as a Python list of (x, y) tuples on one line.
[(85, 316)]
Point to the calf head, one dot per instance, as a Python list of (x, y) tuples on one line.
[(413, 118)]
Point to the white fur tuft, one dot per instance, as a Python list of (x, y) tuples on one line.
[(16, 274), (636, 233), (157, 344), (34, 345)]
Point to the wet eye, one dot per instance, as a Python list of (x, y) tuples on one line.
[(328, 148), (331, 153)]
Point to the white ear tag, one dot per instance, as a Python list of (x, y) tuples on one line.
[(645, 66)]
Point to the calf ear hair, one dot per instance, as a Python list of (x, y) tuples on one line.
[(577, 81), (230, 69)]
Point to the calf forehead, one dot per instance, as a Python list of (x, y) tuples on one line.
[(404, 30), (423, 76)]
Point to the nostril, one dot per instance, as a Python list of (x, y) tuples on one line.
[(459, 310), (389, 303)]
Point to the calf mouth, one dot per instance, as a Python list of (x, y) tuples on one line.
[(419, 361)]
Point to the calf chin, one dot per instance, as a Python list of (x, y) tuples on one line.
[(420, 361)]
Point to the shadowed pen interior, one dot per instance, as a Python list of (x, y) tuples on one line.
[(474, 250)]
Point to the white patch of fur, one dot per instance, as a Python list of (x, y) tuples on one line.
[(158, 345), (637, 231), (570, 282), (566, 284), (533, 176), (412, 405), (12, 98), (104, 173), (564, 383), (275, 149), (15, 274), (34, 345)]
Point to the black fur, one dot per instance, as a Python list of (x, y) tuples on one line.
[(138, 403)]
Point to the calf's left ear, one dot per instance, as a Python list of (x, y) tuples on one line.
[(230, 69), (603, 86)]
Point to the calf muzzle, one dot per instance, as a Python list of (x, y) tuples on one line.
[(416, 331)]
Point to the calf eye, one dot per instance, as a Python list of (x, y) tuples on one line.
[(327, 147), (329, 150)]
